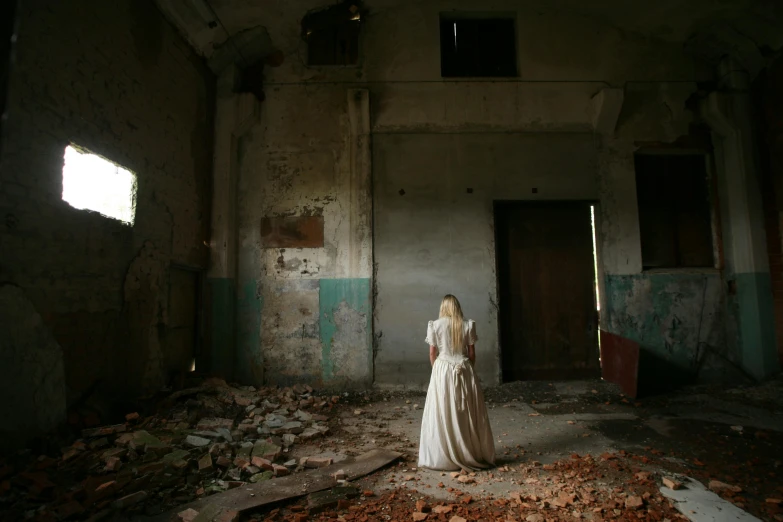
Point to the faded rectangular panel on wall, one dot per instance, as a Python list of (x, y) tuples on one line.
[(292, 232), (345, 316)]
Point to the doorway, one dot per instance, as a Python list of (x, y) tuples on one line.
[(181, 339), (548, 296)]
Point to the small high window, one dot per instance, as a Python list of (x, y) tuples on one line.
[(477, 46), (332, 35), (675, 218), (91, 182)]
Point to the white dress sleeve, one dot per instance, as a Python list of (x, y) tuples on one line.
[(431, 338), (472, 337)]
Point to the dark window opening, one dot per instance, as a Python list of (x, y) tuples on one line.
[(675, 218), (477, 47), (332, 35)]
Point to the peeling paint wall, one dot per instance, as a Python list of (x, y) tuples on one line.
[(118, 80), (683, 319), (298, 306), (432, 140), (679, 318)]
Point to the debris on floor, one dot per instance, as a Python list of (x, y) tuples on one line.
[(203, 440), (216, 452)]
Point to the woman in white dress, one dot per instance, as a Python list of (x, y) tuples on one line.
[(455, 430)]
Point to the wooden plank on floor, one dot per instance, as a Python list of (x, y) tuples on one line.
[(251, 496)]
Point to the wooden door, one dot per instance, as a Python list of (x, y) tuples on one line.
[(546, 275)]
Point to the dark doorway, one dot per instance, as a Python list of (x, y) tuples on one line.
[(547, 290), (181, 339)]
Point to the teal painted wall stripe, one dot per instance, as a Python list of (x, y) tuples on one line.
[(355, 293), (662, 312), (757, 324), (222, 320), (249, 361), (665, 314)]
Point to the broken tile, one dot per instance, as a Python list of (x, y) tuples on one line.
[(196, 442)]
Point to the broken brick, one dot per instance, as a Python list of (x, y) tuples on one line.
[(671, 484), (205, 463), (634, 502), (718, 486), (318, 462), (262, 463)]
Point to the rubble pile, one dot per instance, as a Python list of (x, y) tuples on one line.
[(203, 440), (582, 487)]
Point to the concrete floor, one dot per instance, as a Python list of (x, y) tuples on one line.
[(730, 435)]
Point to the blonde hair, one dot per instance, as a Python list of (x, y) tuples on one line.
[(450, 308)]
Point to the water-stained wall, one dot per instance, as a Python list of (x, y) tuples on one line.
[(303, 311)]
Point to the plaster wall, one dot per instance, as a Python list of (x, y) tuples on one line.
[(434, 139)]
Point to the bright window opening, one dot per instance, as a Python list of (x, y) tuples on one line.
[(91, 182)]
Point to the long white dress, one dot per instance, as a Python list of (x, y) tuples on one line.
[(455, 430)]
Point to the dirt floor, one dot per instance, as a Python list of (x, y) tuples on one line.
[(566, 451)]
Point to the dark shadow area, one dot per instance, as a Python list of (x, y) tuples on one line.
[(658, 375), (7, 30)]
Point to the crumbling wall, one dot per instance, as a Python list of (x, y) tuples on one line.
[(116, 79), (682, 318), (304, 257), (432, 140)]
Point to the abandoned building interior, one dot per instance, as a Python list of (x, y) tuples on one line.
[(277, 194)]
